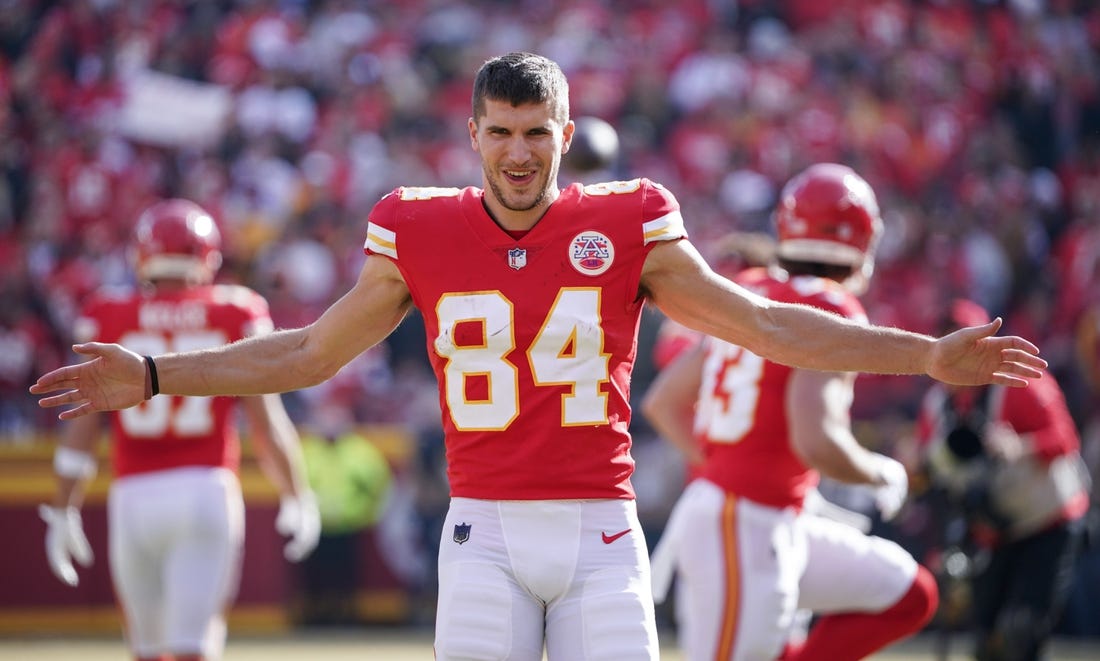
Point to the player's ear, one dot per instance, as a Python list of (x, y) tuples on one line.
[(567, 136), (471, 125)]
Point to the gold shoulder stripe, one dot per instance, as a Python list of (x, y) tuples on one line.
[(666, 228), (381, 241)]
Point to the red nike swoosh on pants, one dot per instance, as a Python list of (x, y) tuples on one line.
[(607, 539)]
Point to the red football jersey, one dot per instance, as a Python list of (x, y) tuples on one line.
[(741, 412), (170, 431), (532, 339)]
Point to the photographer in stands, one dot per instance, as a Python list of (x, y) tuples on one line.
[(1008, 459)]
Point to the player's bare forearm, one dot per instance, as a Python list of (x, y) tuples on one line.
[(677, 280), (806, 337), (278, 362), (116, 378)]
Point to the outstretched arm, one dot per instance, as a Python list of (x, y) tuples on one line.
[(285, 360), (680, 283)]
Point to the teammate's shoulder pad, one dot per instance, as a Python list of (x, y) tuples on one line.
[(234, 294)]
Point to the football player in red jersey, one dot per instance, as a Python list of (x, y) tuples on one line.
[(531, 297), (175, 510), (748, 537)]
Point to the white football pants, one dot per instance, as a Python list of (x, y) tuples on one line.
[(175, 541), (574, 575), (745, 570)]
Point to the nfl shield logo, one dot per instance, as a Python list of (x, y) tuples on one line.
[(462, 532), (517, 258)]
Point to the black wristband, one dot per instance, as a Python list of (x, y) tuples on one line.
[(153, 386)]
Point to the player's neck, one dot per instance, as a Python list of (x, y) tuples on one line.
[(513, 220)]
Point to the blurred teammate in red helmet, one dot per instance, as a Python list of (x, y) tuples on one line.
[(175, 511), (751, 540)]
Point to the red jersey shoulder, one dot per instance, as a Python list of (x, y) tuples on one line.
[(237, 307), (650, 196), (108, 298), (110, 312), (655, 207), (103, 305), (238, 296), (407, 204)]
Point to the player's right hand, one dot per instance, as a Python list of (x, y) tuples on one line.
[(113, 379), (65, 541), (976, 356)]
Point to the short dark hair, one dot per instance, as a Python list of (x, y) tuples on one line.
[(521, 78)]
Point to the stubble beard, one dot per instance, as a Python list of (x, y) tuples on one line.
[(498, 192)]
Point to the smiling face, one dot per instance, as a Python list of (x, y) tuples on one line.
[(521, 148)]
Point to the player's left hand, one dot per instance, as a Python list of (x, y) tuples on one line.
[(113, 379), (975, 356), (300, 519), (893, 487)]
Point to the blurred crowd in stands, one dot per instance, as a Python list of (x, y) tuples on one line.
[(977, 122)]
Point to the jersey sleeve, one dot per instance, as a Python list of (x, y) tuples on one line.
[(382, 226), (661, 214), (383, 218)]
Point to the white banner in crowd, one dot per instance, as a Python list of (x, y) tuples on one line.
[(172, 111)]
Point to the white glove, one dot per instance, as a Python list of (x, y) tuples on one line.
[(891, 494), (300, 519), (65, 541)]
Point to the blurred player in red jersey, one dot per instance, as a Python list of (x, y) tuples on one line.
[(175, 510), (749, 539), (531, 297), (1009, 460)]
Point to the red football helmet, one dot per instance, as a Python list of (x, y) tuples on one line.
[(177, 239), (827, 213)]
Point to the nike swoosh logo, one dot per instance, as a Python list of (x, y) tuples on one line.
[(607, 539)]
